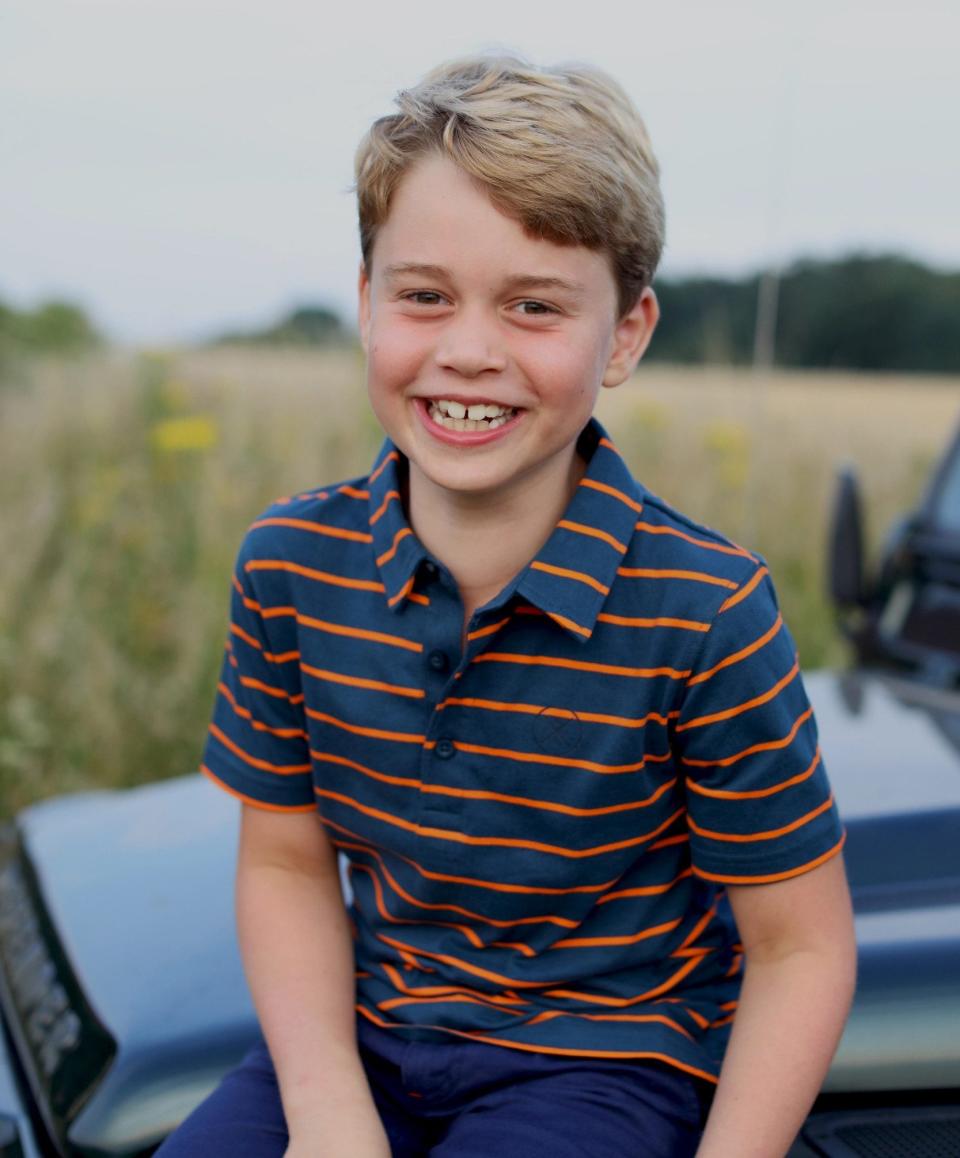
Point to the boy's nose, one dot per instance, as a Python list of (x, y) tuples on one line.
[(470, 346)]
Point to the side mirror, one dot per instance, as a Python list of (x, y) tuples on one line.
[(845, 550)]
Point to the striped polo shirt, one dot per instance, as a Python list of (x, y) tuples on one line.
[(538, 827)]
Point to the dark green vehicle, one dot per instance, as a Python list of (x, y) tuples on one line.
[(122, 994)]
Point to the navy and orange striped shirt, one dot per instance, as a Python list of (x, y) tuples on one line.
[(538, 829)]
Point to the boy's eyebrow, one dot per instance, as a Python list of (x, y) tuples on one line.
[(528, 281), (534, 281), (415, 267)]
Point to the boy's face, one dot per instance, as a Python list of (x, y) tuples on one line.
[(461, 308)]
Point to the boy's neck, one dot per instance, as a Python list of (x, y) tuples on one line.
[(485, 540)]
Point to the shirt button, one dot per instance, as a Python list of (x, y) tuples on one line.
[(445, 749), (438, 660), (431, 568)]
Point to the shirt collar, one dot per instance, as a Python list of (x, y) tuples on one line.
[(397, 549), (572, 574)]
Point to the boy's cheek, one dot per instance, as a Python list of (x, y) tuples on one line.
[(392, 357), (570, 367)]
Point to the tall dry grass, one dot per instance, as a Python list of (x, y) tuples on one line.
[(127, 482)]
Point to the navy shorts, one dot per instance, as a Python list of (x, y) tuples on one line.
[(470, 1100)]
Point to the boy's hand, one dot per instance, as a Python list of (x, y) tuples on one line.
[(335, 1148), (800, 965), (339, 1121), (298, 954), (340, 1136)]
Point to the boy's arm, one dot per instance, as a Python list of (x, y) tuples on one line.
[(800, 958), (298, 956)]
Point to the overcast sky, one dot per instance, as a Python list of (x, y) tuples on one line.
[(181, 166)]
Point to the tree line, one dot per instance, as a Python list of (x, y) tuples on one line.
[(860, 312), (307, 325), (53, 327)]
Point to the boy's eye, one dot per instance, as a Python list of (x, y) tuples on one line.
[(424, 297), (534, 308)]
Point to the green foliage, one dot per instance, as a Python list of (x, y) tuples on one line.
[(862, 312), (705, 320), (54, 327), (304, 326)]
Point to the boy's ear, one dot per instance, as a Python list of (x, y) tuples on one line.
[(363, 305), (631, 336)]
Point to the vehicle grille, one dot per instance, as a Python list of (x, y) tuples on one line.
[(58, 1042), (915, 1132)]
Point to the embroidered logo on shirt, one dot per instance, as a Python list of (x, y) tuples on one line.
[(557, 731)]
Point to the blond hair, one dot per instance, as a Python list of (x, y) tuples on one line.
[(561, 150)]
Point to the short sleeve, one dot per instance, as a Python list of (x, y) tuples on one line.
[(759, 804), (257, 744)]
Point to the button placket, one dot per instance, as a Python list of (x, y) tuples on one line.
[(437, 809)]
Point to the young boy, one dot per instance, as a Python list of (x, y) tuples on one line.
[(550, 721)]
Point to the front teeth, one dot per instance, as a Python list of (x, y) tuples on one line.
[(478, 416)]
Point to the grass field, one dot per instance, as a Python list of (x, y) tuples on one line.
[(128, 480)]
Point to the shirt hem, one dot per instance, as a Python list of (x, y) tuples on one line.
[(266, 805), (769, 878), (558, 1051)]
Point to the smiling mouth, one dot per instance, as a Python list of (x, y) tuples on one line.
[(477, 416)]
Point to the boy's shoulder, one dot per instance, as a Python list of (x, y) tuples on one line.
[(666, 538), (687, 570), (659, 541)]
